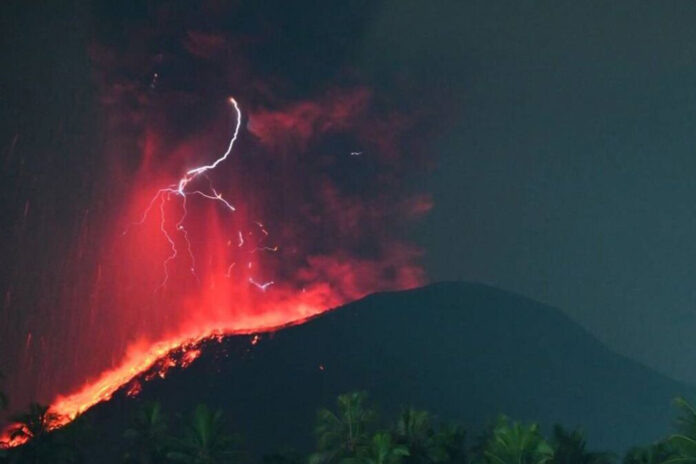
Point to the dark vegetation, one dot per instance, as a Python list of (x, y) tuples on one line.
[(349, 433)]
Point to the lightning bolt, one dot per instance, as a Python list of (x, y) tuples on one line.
[(180, 190)]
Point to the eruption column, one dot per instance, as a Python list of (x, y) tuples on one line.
[(179, 189)]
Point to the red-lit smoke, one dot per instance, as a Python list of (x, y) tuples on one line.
[(313, 221), (317, 184)]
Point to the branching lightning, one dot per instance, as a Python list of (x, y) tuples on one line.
[(180, 190)]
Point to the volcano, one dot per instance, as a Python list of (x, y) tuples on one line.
[(466, 352)]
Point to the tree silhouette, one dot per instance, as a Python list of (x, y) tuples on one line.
[(656, 453), (450, 441), (343, 433), (569, 447), (426, 445), (381, 449), (514, 443), (205, 440), (684, 441), (147, 435), (34, 423), (34, 427)]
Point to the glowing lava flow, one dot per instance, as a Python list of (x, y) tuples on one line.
[(317, 269), (181, 348), (142, 359)]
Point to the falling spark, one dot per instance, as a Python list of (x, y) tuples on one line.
[(263, 286), (263, 228), (228, 274), (272, 249)]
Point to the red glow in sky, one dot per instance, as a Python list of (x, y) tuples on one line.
[(287, 224)]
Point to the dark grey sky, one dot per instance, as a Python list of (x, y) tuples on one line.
[(569, 175)]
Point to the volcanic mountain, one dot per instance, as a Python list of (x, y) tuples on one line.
[(466, 352)]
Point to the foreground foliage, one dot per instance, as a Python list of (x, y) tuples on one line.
[(515, 443), (349, 433)]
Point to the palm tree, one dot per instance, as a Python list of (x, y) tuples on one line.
[(147, 435), (414, 429), (514, 443), (382, 449), (684, 441), (656, 453), (569, 447), (33, 424), (342, 434), (69, 441), (450, 440), (205, 440), (33, 427)]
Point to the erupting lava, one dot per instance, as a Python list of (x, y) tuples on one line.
[(189, 274)]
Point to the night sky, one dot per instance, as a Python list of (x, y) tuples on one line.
[(559, 139), (568, 176)]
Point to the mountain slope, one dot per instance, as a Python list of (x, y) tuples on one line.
[(466, 352)]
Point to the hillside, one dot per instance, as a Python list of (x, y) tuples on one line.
[(464, 351)]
